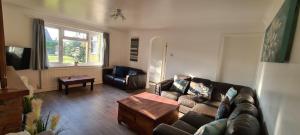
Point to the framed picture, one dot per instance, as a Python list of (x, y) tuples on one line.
[(134, 49), (279, 35)]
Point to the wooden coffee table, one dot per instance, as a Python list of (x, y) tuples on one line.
[(143, 112), (70, 80)]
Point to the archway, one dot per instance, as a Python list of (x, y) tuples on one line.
[(157, 60)]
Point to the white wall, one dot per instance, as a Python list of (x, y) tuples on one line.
[(191, 52), (278, 87), (18, 32), (240, 58)]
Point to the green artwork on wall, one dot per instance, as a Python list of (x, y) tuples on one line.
[(279, 35)]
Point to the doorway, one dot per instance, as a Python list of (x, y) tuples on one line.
[(157, 60)]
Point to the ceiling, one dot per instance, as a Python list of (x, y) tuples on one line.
[(153, 14)]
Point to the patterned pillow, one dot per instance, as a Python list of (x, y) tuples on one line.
[(180, 86), (217, 127), (224, 109), (200, 90), (231, 93)]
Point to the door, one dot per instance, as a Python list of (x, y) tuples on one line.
[(157, 60), (240, 59)]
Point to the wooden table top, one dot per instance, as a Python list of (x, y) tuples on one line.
[(75, 78), (150, 105)]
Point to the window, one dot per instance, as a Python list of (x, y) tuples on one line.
[(66, 46)]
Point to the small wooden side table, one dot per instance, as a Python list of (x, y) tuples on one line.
[(70, 80)]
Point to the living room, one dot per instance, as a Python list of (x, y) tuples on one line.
[(154, 41)]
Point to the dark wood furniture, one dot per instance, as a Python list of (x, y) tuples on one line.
[(71, 80), (3, 75), (143, 112), (12, 91), (11, 103)]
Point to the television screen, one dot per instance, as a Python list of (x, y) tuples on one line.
[(18, 57)]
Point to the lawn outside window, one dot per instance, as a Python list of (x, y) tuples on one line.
[(66, 46)]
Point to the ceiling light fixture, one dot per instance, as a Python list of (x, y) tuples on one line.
[(117, 13)]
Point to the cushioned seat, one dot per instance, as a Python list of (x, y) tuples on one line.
[(215, 104), (205, 109), (170, 94), (185, 126), (190, 100), (109, 77), (119, 82), (196, 119)]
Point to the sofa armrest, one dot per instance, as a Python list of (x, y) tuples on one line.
[(196, 119), (134, 82), (107, 71), (164, 85), (164, 129)]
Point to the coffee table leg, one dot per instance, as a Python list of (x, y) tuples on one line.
[(92, 86), (59, 86), (67, 90)]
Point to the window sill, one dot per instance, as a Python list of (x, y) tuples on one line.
[(73, 66)]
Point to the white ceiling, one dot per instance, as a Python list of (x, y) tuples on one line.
[(153, 14)]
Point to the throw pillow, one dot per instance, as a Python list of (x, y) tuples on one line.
[(224, 109), (231, 93), (200, 90), (180, 86), (217, 127)]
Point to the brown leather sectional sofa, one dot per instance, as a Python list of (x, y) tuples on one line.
[(244, 119)]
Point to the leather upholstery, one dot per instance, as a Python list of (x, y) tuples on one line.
[(164, 129), (126, 78), (205, 109), (243, 120), (243, 98), (170, 94), (214, 104), (244, 124), (190, 100), (244, 108), (185, 126)]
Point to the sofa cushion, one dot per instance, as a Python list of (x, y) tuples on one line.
[(200, 90), (184, 126), (196, 119), (119, 82), (205, 109), (180, 86), (189, 100), (244, 124), (244, 108), (214, 104), (120, 71), (224, 109), (170, 94), (206, 82), (220, 89), (184, 109), (109, 77), (217, 127), (231, 93), (243, 98)]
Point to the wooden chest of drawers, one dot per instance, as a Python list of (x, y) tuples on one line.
[(11, 103)]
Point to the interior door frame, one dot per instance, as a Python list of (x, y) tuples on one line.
[(164, 63)]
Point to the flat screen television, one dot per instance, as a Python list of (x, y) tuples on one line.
[(18, 57)]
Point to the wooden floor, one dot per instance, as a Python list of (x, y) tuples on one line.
[(85, 112)]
